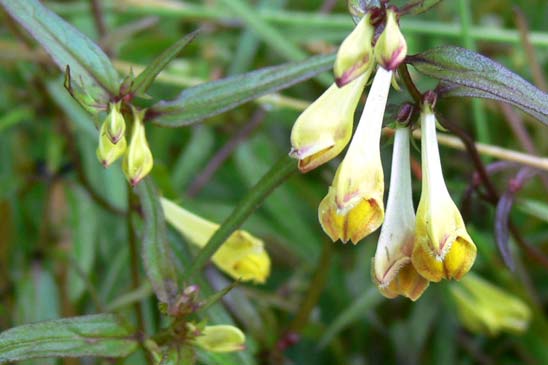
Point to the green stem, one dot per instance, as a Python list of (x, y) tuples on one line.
[(134, 257), (480, 119), (277, 175)]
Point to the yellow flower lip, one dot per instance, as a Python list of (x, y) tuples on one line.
[(443, 249), (323, 129), (350, 224), (353, 207), (311, 157), (392, 269), (242, 256)]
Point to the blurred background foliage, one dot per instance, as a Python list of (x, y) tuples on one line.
[(63, 245)]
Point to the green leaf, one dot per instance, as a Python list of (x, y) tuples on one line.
[(466, 73), (102, 335), (157, 255), (149, 74), (212, 98), (89, 65)]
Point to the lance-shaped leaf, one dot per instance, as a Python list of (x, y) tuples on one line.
[(89, 65), (102, 335), (212, 98), (146, 78), (157, 255), (467, 73)]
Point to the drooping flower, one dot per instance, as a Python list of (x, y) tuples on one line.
[(242, 256), (138, 159), (392, 270), (443, 249), (107, 151), (484, 308), (323, 130), (218, 338), (355, 55), (353, 207)]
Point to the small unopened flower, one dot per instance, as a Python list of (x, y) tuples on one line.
[(323, 130), (115, 123), (218, 338), (138, 159), (443, 249), (353, 207), (242, 256), (484, 308), (392, 270), (108, 152), (391, 47), (355, 55)]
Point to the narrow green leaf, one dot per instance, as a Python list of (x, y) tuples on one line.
[(212, 299), (102, 335), (149, 74), (157, 255), (365, 302), (89, 65), (534, 208), (212, 98), (467, 73), (277, 174)]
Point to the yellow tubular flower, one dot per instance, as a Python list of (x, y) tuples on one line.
[(443, 249), (353, 207), (323, 130), (484, 308), (355, 55), (138, 159), (219, 338), (242, 256), (391, 47), (108, 152), (392, 270)]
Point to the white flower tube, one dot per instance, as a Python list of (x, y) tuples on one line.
[(392, 270)]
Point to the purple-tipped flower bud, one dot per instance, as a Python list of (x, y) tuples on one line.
[(391, 47), (138, 160), (355, 55), (115, 123)]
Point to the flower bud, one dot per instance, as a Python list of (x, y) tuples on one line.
[(323, 130), (138, 159), (391, 47), (242, 256), (115, 123), (392, 270), (484, 308), (353, 207), (219, 338), (443, 248), (108, 152), (355, 55)]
